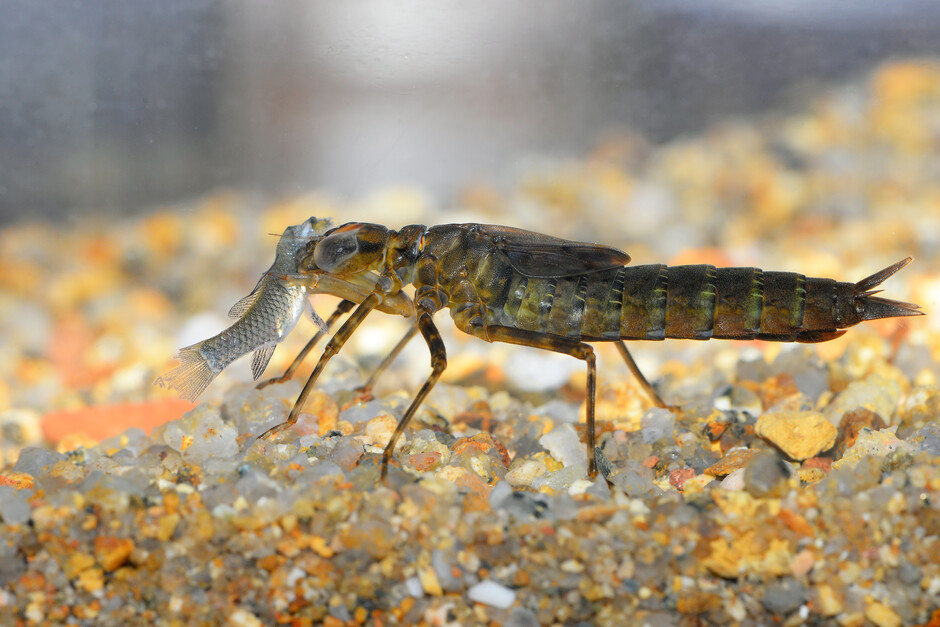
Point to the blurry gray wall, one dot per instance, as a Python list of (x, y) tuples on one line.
[(109, 105)]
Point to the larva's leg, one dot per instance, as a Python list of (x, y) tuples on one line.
[(631, 364), (432, 336), (366, 388), (579, 350), (344, 307), (332, 347)]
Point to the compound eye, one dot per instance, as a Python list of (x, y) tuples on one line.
[(336, 250)]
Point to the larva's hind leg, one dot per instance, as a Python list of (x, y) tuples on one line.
[(575, 348), (647, 387)]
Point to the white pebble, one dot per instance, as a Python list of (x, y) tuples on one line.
[(500, 492), (563, 444), (734, 481), (579, 487), (525, 472), (492, 594), (14, 507), (201, 434), (243, 618), (415, 589), (933, 586), (295, 575), (537, 371), (6, 599)]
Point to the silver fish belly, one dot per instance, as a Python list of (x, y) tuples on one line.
[(265, 317)]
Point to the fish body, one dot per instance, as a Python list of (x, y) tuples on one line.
[(264, 318)]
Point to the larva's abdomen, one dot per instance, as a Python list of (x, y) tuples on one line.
[(705, 302), (739, 304), (702, 302)]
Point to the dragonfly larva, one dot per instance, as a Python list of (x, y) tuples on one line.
[(503, 284)]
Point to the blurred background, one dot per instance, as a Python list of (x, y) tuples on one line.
[(109, 106)]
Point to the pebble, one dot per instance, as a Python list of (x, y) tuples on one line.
[(413, 584), (522, 617), (679, 476), (734, 480), (14, 505), (882, 615), (429, 582), (243, 618), (872, 444), (347, 454), (534, 371), (20, 428), (111, 552), (927, 439), (36, 461), (445, 571), (201, 434), (809, 373), (874, 393), (766, 475), (499, 493), (734, 460), (799, 434), (802, 563), (379, 430), (811, 475), (525, 472), (560, 480), (657, 424), (493, 594), (828, 601), (635, 483), (852, 422), (563, 444), (783, 596), (559, 411), (256, 412), (20, 480)]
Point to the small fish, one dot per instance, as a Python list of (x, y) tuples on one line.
[(265, 317)]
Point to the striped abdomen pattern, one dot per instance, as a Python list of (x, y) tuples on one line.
[(654, 302)]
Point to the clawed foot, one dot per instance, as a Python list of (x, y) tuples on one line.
[(274, 431), (275, 380), (362, 394)]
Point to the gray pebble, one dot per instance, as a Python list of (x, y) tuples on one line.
[(14, 508), (783, 596)]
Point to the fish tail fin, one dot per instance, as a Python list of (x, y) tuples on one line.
[(191, 377)]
